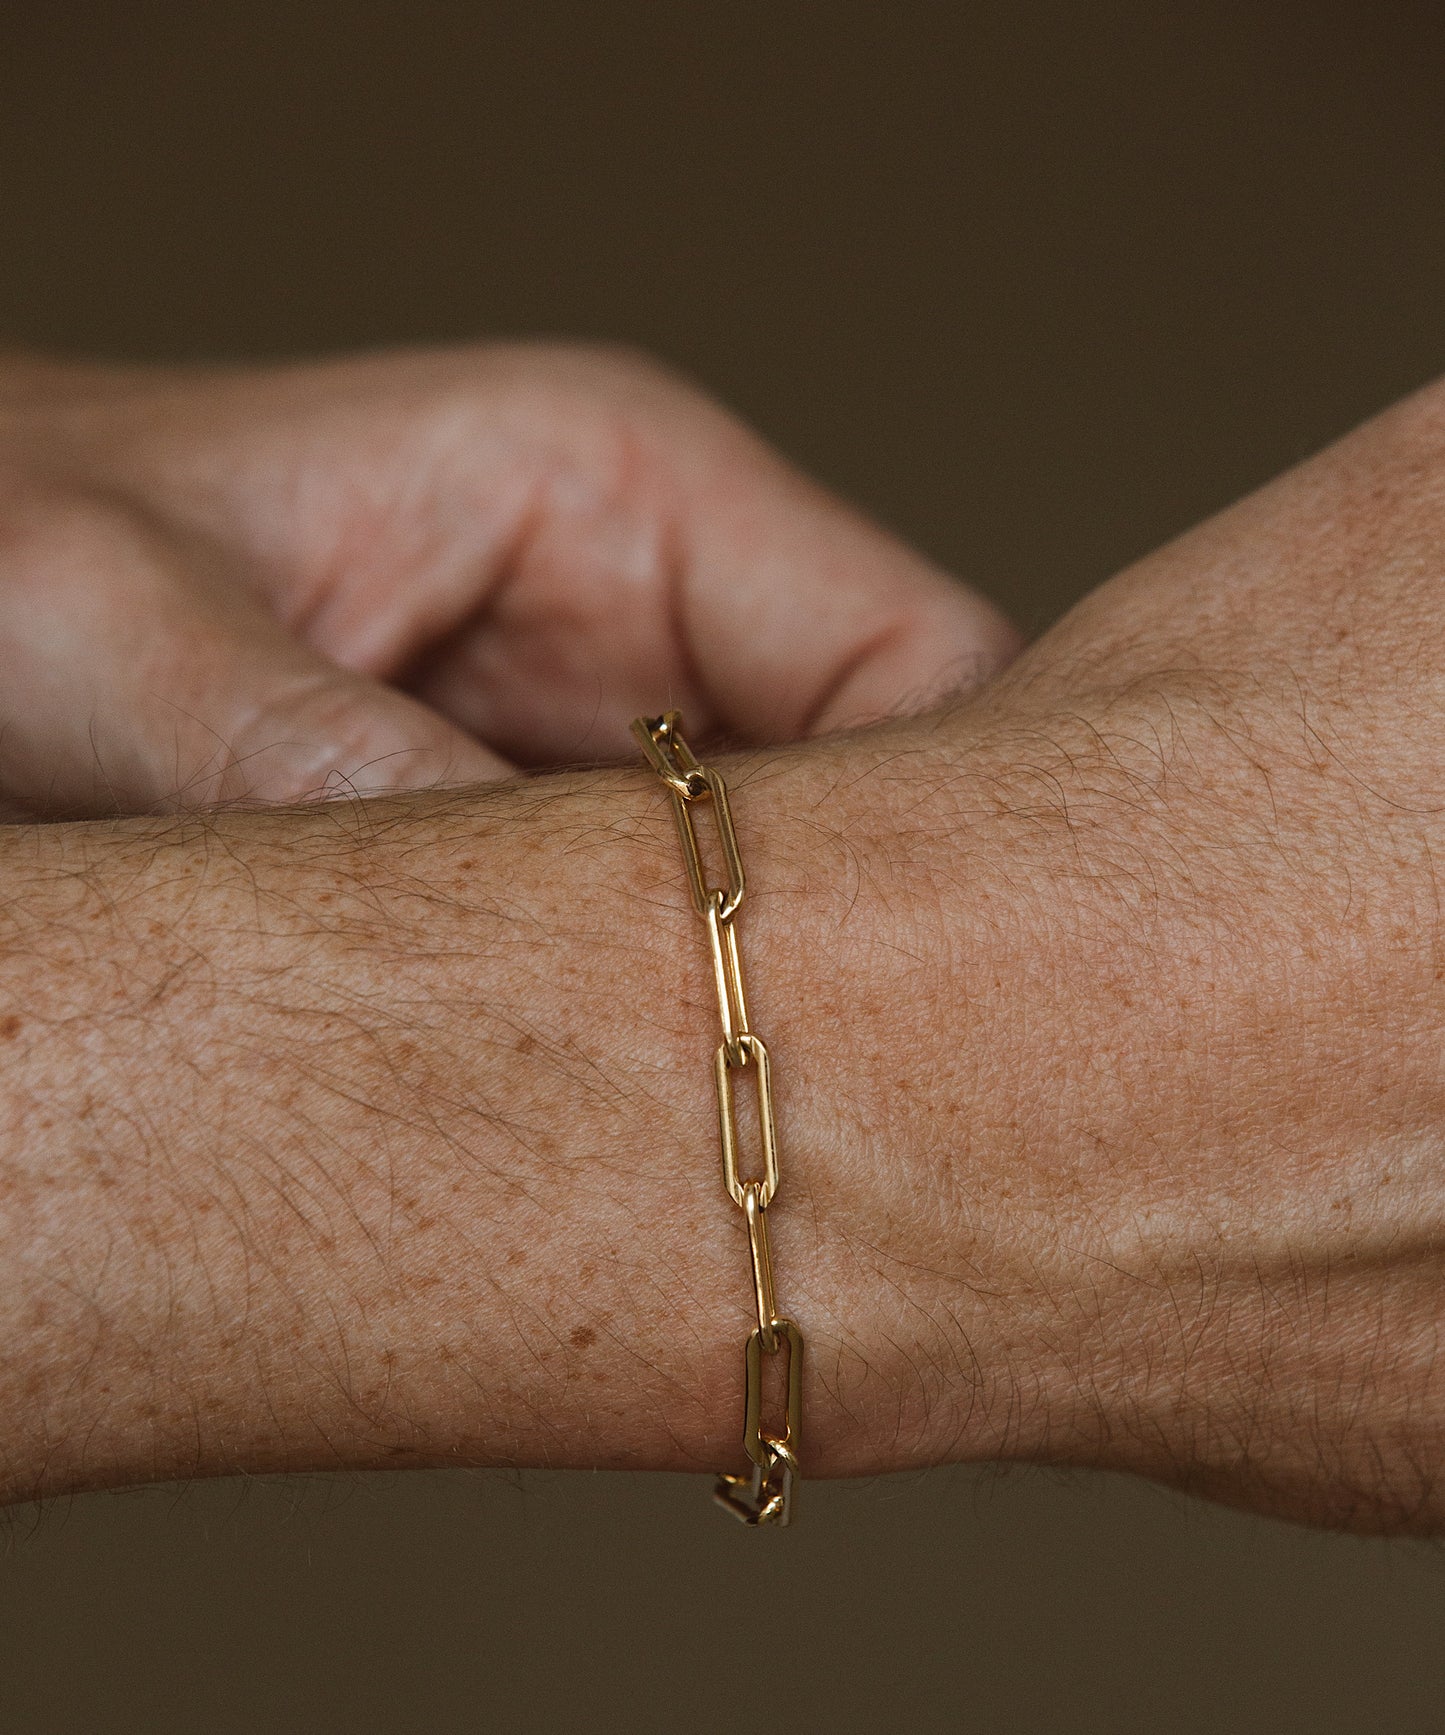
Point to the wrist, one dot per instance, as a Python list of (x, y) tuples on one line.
[(1207, 1117), (378, 1135), (383, 1132), (900, 943)]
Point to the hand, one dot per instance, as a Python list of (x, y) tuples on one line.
[(423, 569), (1191, 1076), (1107, 1028)]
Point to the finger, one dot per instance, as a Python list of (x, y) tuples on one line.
[(542, 542), (787, 615), (141, 677), (717, 579), (812, 618)]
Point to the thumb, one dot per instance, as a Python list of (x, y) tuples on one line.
[(707, 575), (143, 676), (807, 616)]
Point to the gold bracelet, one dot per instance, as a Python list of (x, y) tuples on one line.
[(765, 1494)]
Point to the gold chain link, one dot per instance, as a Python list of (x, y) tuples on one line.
[(764, 1495)]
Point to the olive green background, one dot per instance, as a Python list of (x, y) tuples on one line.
[(1041, 284)]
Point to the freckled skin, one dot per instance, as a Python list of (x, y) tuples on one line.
[(1105, 1015)]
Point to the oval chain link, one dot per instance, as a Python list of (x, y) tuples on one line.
[(765, 1493)]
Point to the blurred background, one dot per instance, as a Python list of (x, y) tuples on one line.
[(1041, 285)]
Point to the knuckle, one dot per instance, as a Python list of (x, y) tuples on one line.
[(332, 732), (584, 372)]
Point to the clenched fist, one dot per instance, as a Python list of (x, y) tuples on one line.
[(422, 569)]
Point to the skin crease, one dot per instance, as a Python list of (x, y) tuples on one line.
[(1106, 1005)]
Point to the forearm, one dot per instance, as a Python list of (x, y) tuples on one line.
[(323, 1129), (382, 1133)]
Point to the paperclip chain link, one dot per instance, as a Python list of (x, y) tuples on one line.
[(765, 1493)]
